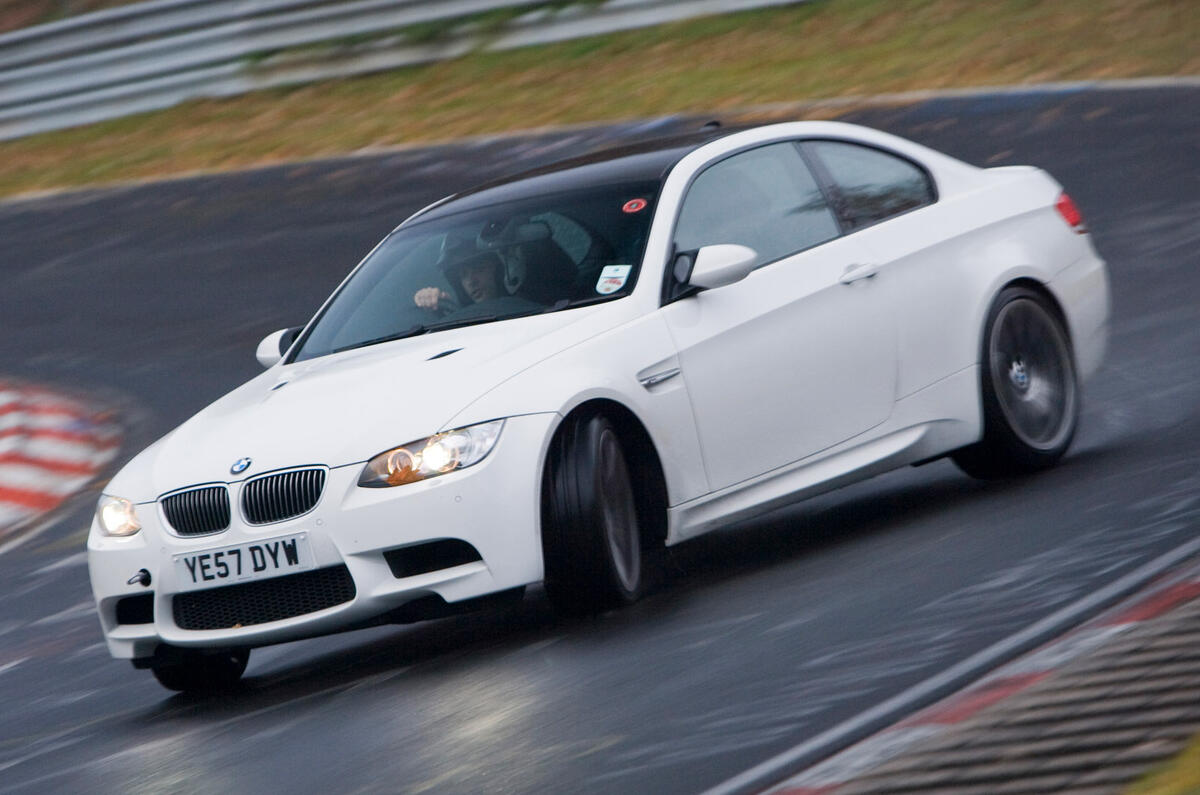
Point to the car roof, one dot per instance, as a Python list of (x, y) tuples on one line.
[(641, 161)]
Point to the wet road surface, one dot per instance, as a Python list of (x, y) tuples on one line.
[(153, 299)]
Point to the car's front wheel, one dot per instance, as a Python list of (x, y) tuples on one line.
[(595, 547), (1028, 386), (196, 671)]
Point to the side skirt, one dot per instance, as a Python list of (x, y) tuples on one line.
[(908, 436)]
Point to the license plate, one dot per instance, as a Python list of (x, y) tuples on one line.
[(258, 560)]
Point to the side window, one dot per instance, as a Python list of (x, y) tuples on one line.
[(874, 185), (765, 198)]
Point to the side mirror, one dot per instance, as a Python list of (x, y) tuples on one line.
[(275, 345), (717, 266)]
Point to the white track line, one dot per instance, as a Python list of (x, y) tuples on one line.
[(28, 477)]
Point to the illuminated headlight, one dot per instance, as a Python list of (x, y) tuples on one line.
[(432, 456), (116, 516)]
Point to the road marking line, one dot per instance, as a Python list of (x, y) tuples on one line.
[(78, 559), (28, 498), (8, 666), (80, 420), (82, 466), (19, 478), (42, 409), (10, 515), (102, 436)]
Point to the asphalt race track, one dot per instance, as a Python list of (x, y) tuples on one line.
[(153, 299)]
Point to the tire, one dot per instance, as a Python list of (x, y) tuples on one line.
[(1029, 388), (192, 671), (596, 550)]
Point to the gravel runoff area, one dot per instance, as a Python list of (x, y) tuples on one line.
[(1088, 713)]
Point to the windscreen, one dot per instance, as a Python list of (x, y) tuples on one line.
[(544, 253)]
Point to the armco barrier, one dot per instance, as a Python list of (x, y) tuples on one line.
[(156, 54)]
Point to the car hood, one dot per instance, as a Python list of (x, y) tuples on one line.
[(344, 408)]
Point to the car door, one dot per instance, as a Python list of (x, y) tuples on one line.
[(890, 205), (798, 356)]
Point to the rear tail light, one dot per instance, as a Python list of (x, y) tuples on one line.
[(1070, 213)]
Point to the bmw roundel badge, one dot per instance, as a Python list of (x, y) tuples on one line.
[(239, 466)]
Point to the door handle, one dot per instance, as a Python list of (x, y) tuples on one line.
[(859, 270)]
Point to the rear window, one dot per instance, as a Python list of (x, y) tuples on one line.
[(872, 185)]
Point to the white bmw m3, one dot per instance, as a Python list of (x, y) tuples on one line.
[(554, 377)]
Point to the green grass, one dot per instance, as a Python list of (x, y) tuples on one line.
[(825, 48), (1181, 776), (16, 14)]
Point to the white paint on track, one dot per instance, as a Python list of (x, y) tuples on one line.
[(43, 480), (78, 559)]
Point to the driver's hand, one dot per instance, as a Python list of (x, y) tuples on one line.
[(429, 297)]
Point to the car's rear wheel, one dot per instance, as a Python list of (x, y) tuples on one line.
[(197, 671), (597, 553), (1029, 388)]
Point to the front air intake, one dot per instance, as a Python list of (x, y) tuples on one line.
[(137, 609), (284, 495), (197, 512), (430, 556), (249, 603)]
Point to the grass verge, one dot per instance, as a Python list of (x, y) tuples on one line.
[(16, 14), (825, 48), (1181, 776)]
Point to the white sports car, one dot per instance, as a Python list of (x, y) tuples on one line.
[(553, 377)]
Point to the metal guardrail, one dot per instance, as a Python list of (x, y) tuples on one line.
[(155, 54)]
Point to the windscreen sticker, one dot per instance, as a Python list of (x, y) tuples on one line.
[(634, 206), (612, 278)]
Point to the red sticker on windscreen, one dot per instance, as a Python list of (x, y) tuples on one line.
[(634, 206)]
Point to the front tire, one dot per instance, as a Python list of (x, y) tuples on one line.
[(596, 550), (1029, 389), (191, 671)]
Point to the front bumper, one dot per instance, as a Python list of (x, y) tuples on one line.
[(493, 506)]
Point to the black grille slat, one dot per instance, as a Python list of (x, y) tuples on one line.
[(191, 507), (198, 511), (274, 498), (289, 490), (261, 602)]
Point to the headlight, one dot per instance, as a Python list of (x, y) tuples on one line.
[(432, 456), (117, 516)]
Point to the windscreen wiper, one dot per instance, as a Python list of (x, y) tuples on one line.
[(558, 306), (429, 328), (462, 321), (411, 331)]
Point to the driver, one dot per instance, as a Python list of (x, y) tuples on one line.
[(478, 275)]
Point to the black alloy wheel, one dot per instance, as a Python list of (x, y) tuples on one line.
[(596, 552)]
